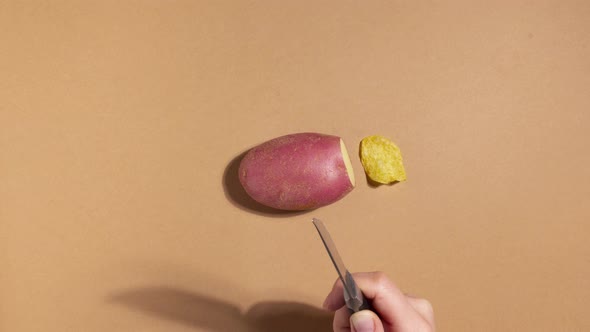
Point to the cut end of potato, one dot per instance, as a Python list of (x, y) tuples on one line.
[(347, 163), (382, 160)]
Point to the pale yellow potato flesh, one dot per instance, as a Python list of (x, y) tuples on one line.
[(382, 160), (347, 162)]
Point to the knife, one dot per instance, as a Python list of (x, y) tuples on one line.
[(353, 297)]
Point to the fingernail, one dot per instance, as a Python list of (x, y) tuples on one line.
[(362, 322)]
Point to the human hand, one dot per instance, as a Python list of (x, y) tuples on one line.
[(396, 311)]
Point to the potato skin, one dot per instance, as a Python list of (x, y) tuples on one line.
[(296, 172)]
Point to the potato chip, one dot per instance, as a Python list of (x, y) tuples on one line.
[(382, 160)]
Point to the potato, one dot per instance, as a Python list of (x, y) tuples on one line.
[(300, 171), (382, 160)]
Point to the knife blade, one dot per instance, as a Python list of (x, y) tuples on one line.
[(353, 297)]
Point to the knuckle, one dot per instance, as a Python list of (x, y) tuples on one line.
[(426, 328), (426, 306), (425, 309), (380, 278), (423, 326), (382, 281)]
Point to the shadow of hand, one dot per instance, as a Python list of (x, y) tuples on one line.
[(288, 317), (201, 311)]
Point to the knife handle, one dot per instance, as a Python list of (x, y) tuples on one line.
[(366, 305)]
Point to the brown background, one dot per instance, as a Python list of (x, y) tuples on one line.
[(121, 122)]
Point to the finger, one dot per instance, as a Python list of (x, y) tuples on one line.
[(341, 321), (335, 299), (387, 300), (366, 321), (423, 307)]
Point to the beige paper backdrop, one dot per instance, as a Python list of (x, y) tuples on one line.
[(120, 122)]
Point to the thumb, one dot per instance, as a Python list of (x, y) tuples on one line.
[(365, 321)]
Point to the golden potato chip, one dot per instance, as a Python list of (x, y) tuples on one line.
[(382, 160)]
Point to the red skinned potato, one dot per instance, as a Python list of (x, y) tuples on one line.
[(297, 172)]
